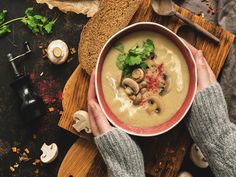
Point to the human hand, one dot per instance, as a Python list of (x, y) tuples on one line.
[(206, 76), (98, 122)]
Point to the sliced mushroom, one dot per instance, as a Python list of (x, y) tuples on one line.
[(129, 91), (138, 99), (184, 174), (138, 75), (154, 105), (197, 157), (49, 154), (143, 90), (127, 82), (150, 63), (142, 84), (164, 85)]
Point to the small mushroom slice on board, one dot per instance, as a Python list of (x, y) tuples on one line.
[(50, 153), (197, 157), (81, 119)]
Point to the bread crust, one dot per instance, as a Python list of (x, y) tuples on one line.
[(112, 17)]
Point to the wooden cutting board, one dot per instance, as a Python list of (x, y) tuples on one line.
[(163, 154)]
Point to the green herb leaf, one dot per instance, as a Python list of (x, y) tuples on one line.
[(148, 48), (119, 47), (135, 56), (120, 61), (37, 23), (3, 15), (29, 11), (4, 29), (49, 26), (132, 60)]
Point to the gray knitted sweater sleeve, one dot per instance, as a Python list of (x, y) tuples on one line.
[(121, 154), (212, 131), (208, 125)]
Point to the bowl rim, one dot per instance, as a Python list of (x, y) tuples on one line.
[(195, 83)]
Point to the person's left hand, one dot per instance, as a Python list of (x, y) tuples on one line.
[(98, 122)]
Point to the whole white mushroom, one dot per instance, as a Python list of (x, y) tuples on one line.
[(57, 51), (184, 174), (197, 157)]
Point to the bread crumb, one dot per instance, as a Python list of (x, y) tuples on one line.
[(72, 51), (36, 171), (12, 169), (27, 150), (14, 149), (51, 109)]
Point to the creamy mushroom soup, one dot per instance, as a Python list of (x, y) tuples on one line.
[(145, 79)]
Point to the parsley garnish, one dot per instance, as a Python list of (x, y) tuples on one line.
[(36, 23), (135, 57)]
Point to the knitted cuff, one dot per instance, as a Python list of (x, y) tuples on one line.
[(121, 154), (208, 115)]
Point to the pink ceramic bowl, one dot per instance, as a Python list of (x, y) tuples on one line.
[(156, 130)]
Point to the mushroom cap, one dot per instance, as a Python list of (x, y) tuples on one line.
[(166, 85), (57, 51), (197, 157), (138, 74), (81, 121), (127, 82), (184, 174), (50, 153), (154, 105)]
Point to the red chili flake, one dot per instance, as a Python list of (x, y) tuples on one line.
[(208, 11), (60, 95)]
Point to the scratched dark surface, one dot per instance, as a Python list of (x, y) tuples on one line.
[(13, 131)]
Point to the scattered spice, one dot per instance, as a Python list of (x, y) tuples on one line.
[(16, 165), (34, 136), (14, 149), (69, 60), (36, 161), (72, 51), (36, 171), (60, 112), (27, 150), (51, 109)]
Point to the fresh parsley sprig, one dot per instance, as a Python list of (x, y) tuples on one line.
[(36, 23), (135, 57)]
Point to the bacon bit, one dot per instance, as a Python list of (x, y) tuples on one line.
[(51, 109), (14, 149), (152, 78), (27, 150), (12, 169)]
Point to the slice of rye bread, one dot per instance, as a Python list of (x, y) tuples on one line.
[(112, 17)]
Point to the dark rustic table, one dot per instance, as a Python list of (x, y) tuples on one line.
[(49, 81)]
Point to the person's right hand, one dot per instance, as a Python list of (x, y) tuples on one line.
[(206, 76)]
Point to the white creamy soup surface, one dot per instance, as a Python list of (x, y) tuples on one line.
[(169, 57)]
